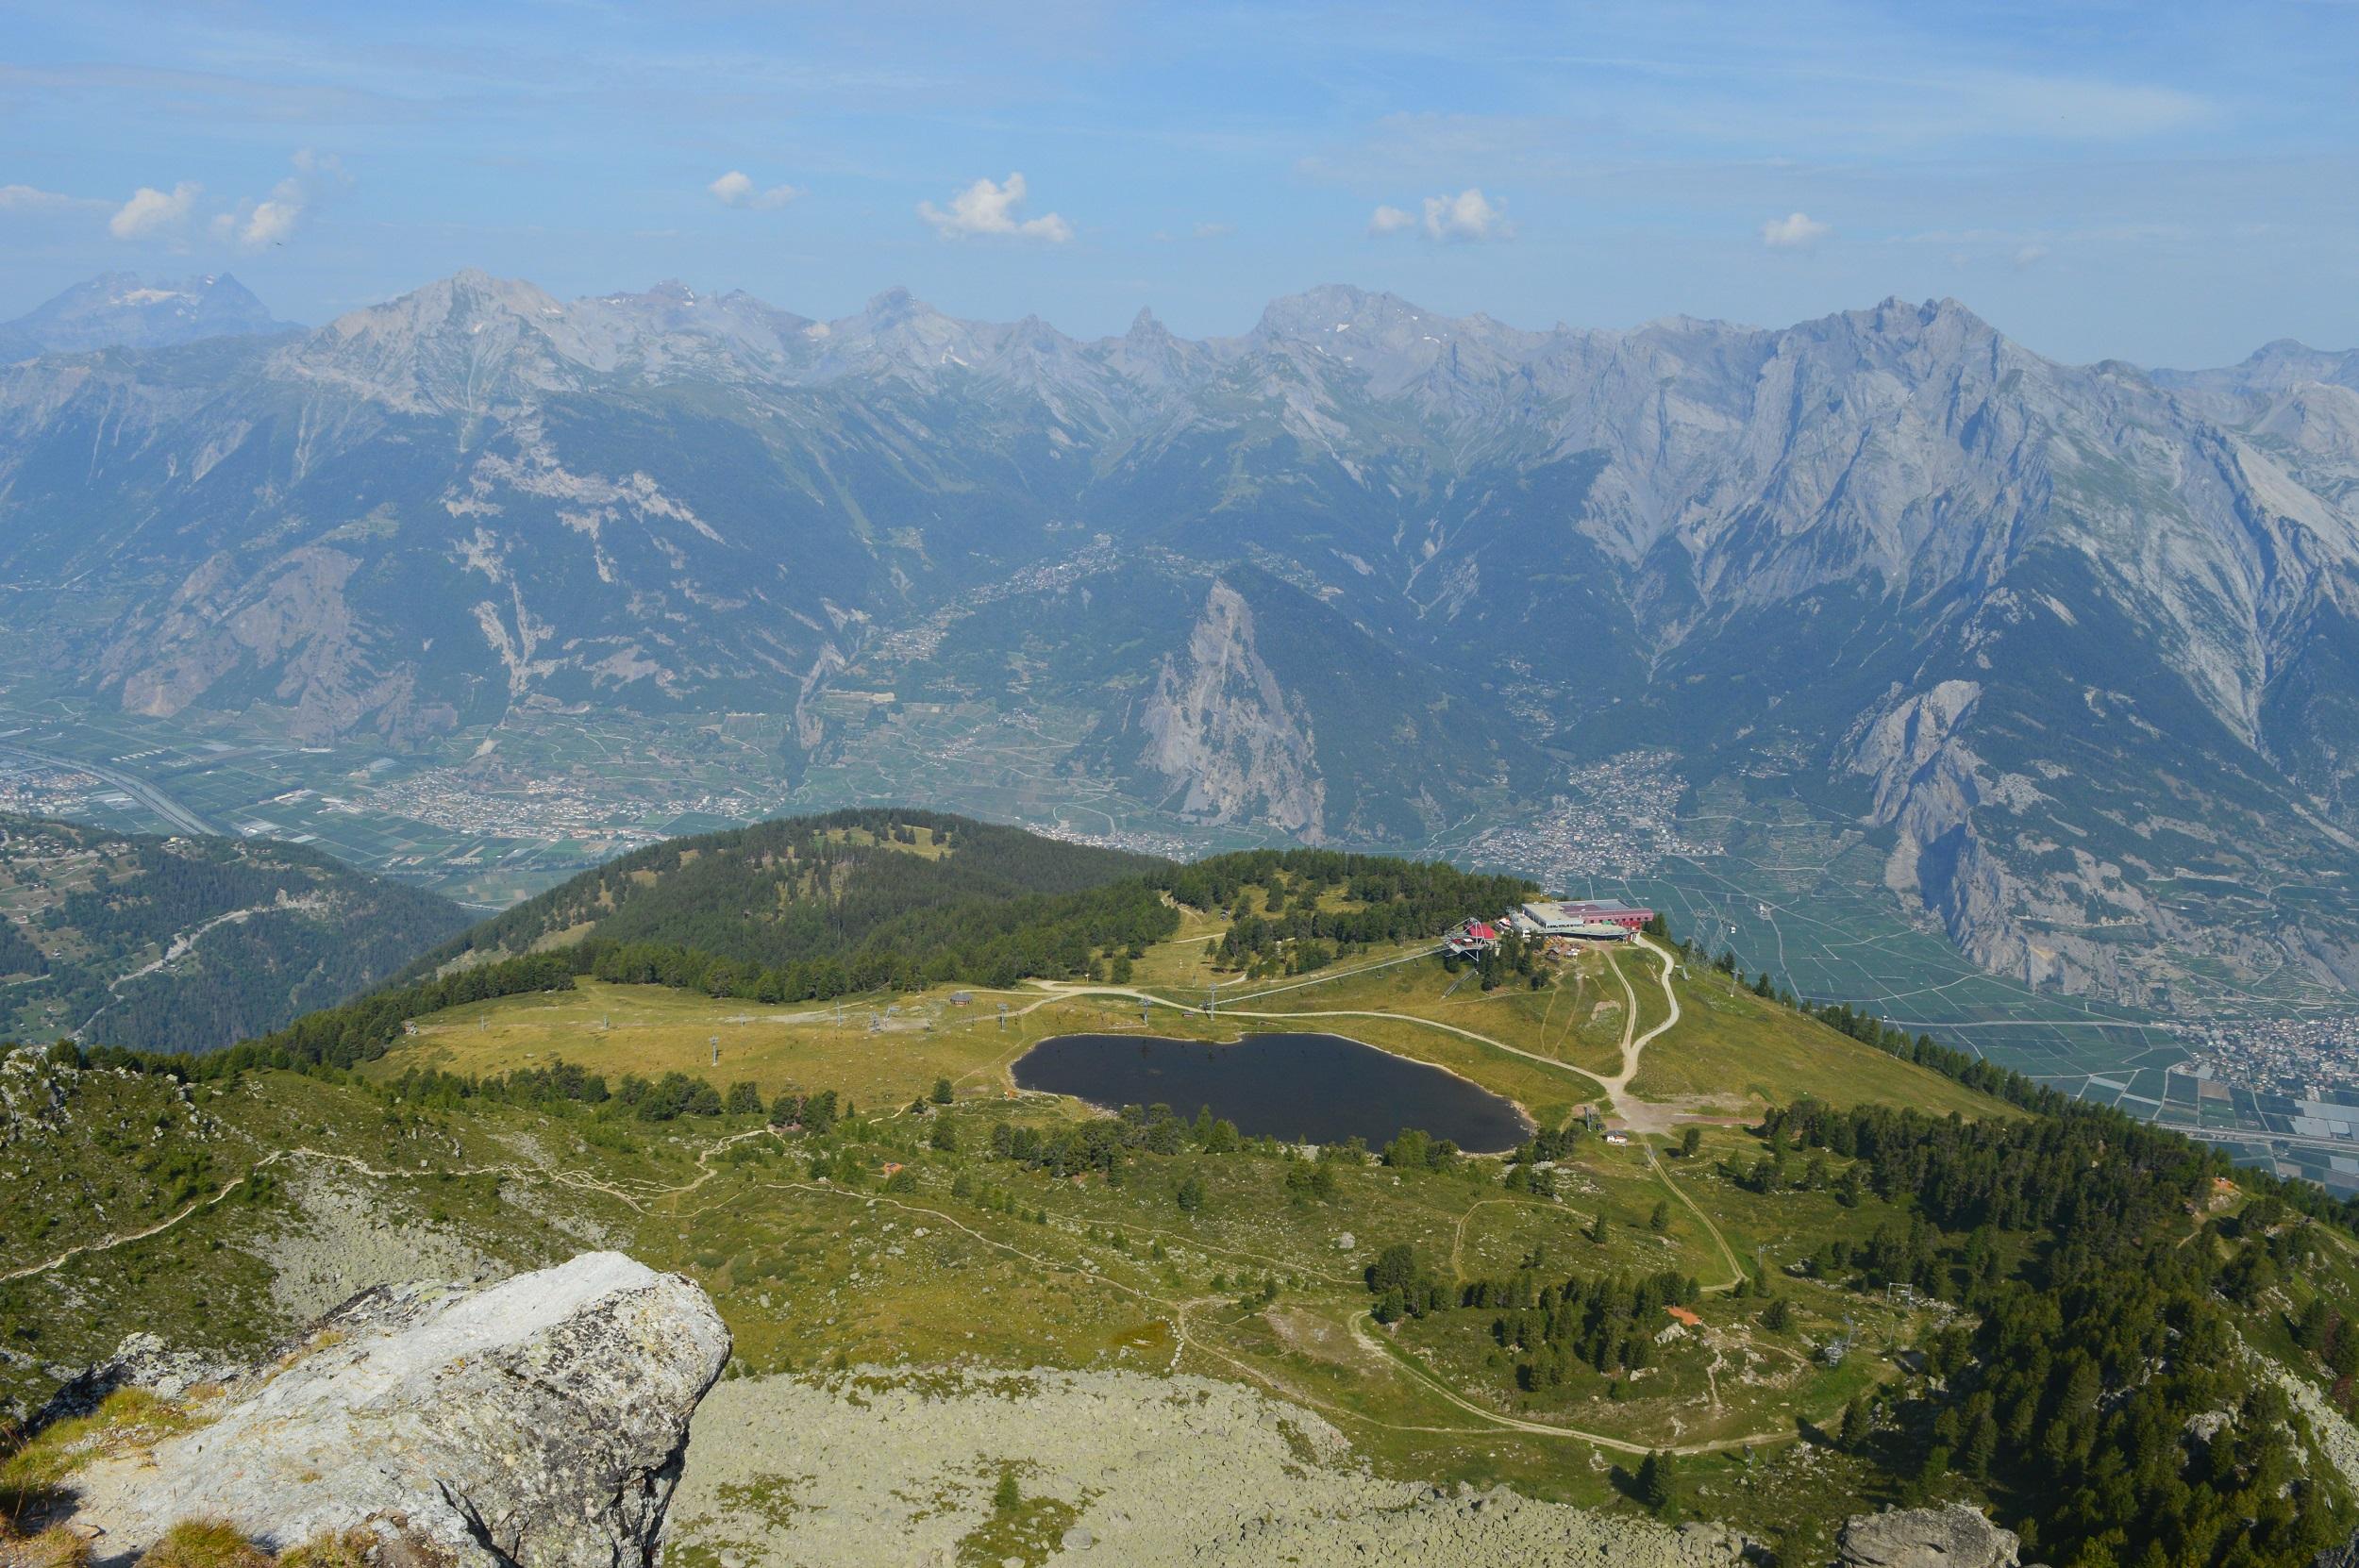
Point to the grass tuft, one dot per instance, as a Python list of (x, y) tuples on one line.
[(128, 1418), (205, 1544), (332, 1549)]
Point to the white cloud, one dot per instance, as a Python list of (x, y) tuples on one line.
[(30, 198), (1214, 231), (151, 213), (988, 207), (737, 188), (273, 222), (1469, 215), (275, 218), (2030, 255), (1794, 230)]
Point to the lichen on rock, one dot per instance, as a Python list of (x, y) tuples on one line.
[(540, 1420)]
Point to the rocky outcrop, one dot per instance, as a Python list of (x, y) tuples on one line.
[(1222, 730), (540, 1420), (141, 1361), (1953, 1537), (2344, 1555), (2013, 901)]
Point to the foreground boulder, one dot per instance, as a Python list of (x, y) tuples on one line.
[(1953, 1537), (539, 1420)]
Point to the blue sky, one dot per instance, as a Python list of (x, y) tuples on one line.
[(2164, 182)]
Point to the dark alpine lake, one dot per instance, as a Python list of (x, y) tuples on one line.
[(1307, 1087)]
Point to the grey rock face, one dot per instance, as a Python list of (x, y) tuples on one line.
[(141, 1361), (540, 1420), (1953, 1537), (1221, 729)]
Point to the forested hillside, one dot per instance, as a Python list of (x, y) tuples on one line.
[(859, 899), (862, 900), (2098, 1378), (189, 945)]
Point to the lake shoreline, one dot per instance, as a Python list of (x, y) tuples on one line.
[(1308, 1087)]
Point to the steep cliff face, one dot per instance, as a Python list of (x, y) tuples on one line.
[(1223, 731), (1939, 797)]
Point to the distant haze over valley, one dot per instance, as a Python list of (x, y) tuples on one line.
[(1927, 672)]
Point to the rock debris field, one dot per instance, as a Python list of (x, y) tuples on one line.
[(886, 1468)]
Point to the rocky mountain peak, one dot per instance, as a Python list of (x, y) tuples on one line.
[(464, 300), (891, 306), (2288, 362), (1395, 345), (1330, 308), (120, 310), (1938, 326), (462, 343)]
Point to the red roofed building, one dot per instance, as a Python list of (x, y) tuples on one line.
[(1473, 936)]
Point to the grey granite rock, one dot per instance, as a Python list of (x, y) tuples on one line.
[(1953, 1537), (539, 1420)]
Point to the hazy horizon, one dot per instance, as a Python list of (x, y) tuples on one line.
[(2103, 182), (1239, 329)]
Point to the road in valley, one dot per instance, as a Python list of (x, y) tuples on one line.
[(178, 816)]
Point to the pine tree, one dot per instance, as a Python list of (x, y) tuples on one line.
[(1856, 1424), (1654, 1481)]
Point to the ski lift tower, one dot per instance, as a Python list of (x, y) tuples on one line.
[(1834, 1351)]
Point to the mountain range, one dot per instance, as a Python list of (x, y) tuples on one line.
[(2072, 645)]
